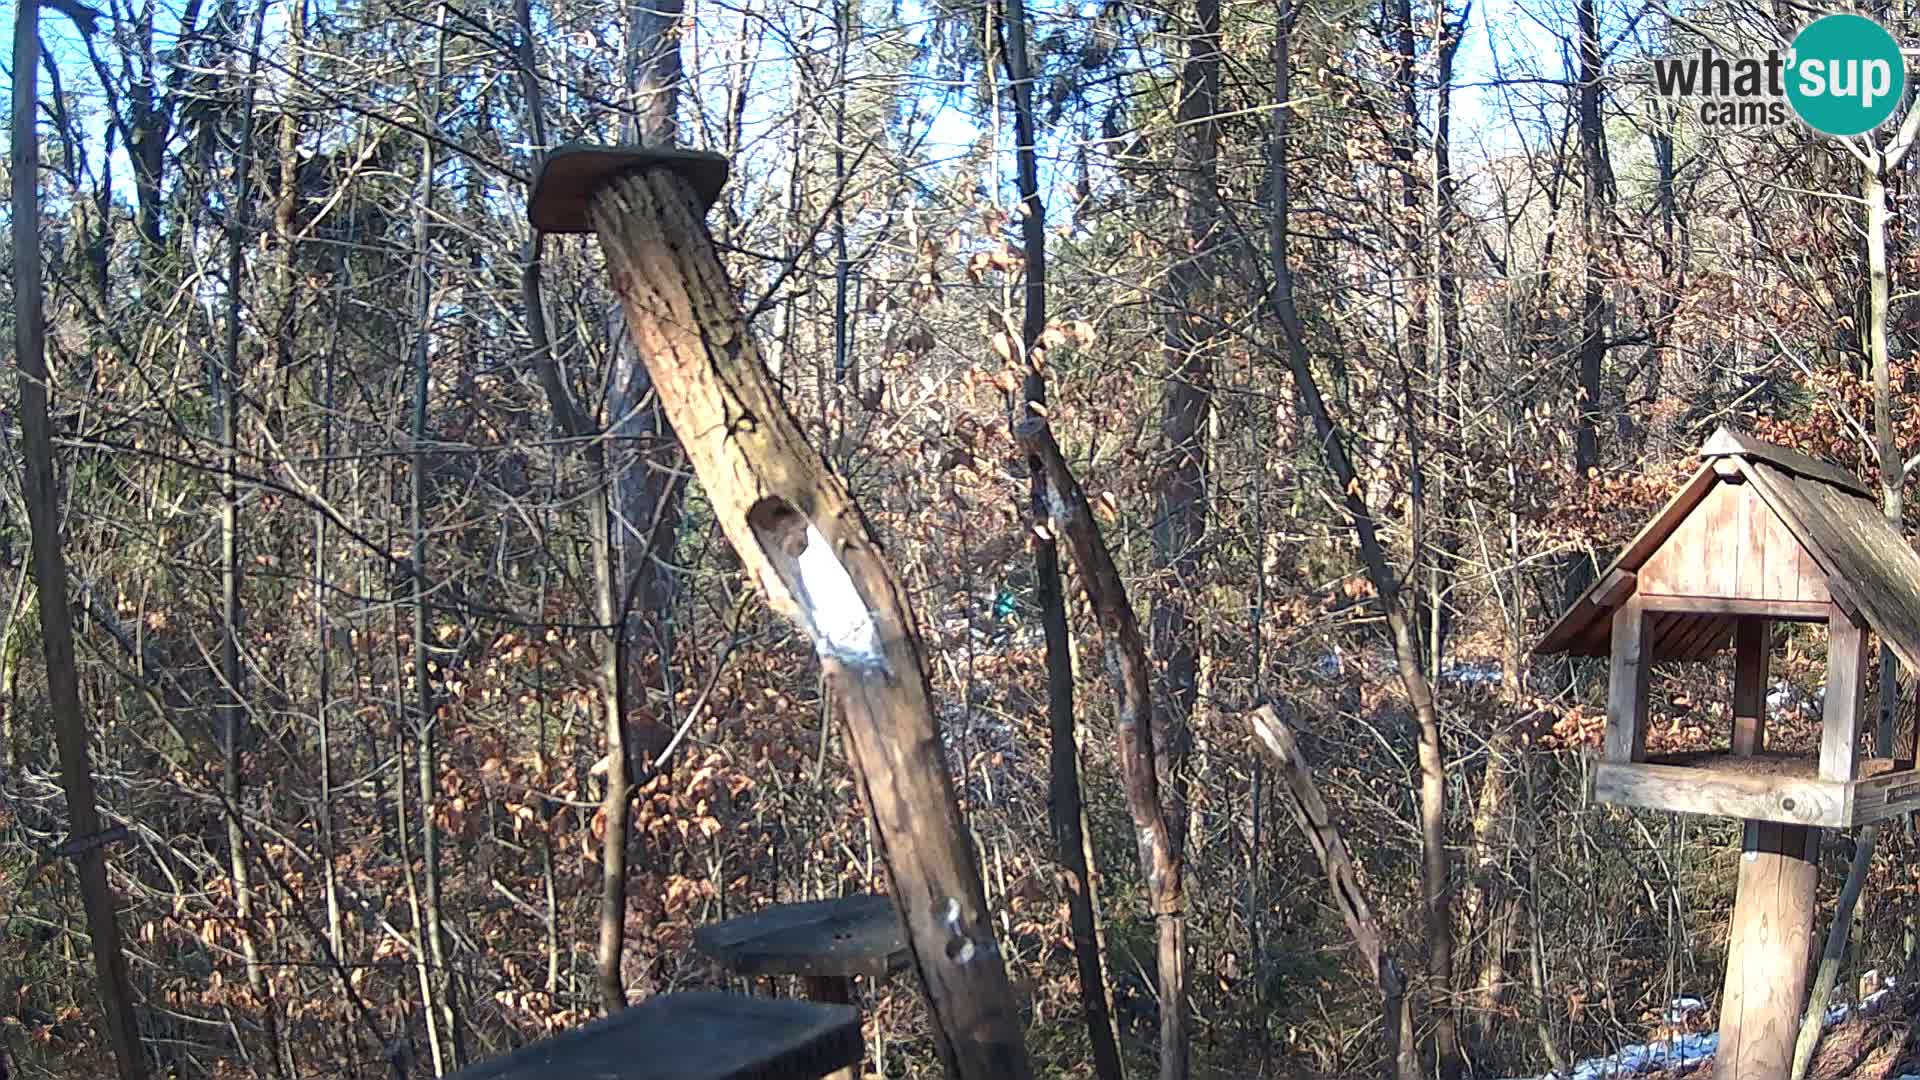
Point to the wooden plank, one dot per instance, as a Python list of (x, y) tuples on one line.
[(1662, 633), (1722, 793), (1784, 610), (697, 1035), (1782, 578), (1627, 685), (1753, 536), (1849, 538), (1614, 588), (1845, 600), (852, 935), (1888, 795), (1709, 636), (1767, 952), (1846, 690), (1727, 442), (1752, 640), (1717, 563)]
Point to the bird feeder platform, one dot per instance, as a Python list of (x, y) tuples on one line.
[(821, 939), (1759, 534), (693, 1036)]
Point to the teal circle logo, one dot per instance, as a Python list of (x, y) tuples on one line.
[(1847, 75)]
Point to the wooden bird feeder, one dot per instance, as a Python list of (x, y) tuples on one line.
[(1758, 534), (824, 942)]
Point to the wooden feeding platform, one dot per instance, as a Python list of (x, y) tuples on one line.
[(692, 1036), (1768, 786), (1759, 534), (823, 941)]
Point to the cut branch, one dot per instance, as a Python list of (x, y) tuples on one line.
[(1310, 812)]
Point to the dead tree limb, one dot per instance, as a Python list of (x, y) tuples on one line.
[(1316, 821), (1126, 651)]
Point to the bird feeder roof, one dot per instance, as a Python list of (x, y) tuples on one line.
[(1766, 528)]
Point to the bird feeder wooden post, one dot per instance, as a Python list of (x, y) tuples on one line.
[(804, 543), (1759, 534)]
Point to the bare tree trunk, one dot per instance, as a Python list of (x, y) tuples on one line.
[(1064, 803), (1593, 346), (1436, 888), (1180, 488), (647, 471), (426, 718), (1128, 665), (436, 1042), (804, 543), (49, 559), (226, 379), (609, 977)]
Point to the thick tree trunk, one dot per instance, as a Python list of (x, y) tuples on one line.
[(1064, 804), (804, 543), (122, 1029), (1180, 486)]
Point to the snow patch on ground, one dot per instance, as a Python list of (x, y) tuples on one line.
[(1682, 1050)]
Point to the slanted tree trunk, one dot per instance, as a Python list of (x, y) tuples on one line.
[(1128, 665), (1436, 885), (122, 1029), (1064, 805), (1316, 823), (804, 543)]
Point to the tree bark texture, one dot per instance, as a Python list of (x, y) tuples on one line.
[(1127, 662), (1436, 886), (1064, 802), (122, 1031), (1310, 811), (1593, 346), (803, 541)]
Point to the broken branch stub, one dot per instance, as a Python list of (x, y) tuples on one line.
[(802, 539)]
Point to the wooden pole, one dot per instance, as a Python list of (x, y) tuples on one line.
[(1767, 950), (804, 543)]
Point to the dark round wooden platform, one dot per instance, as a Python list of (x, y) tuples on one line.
[(698, 1035), (854, 935)]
